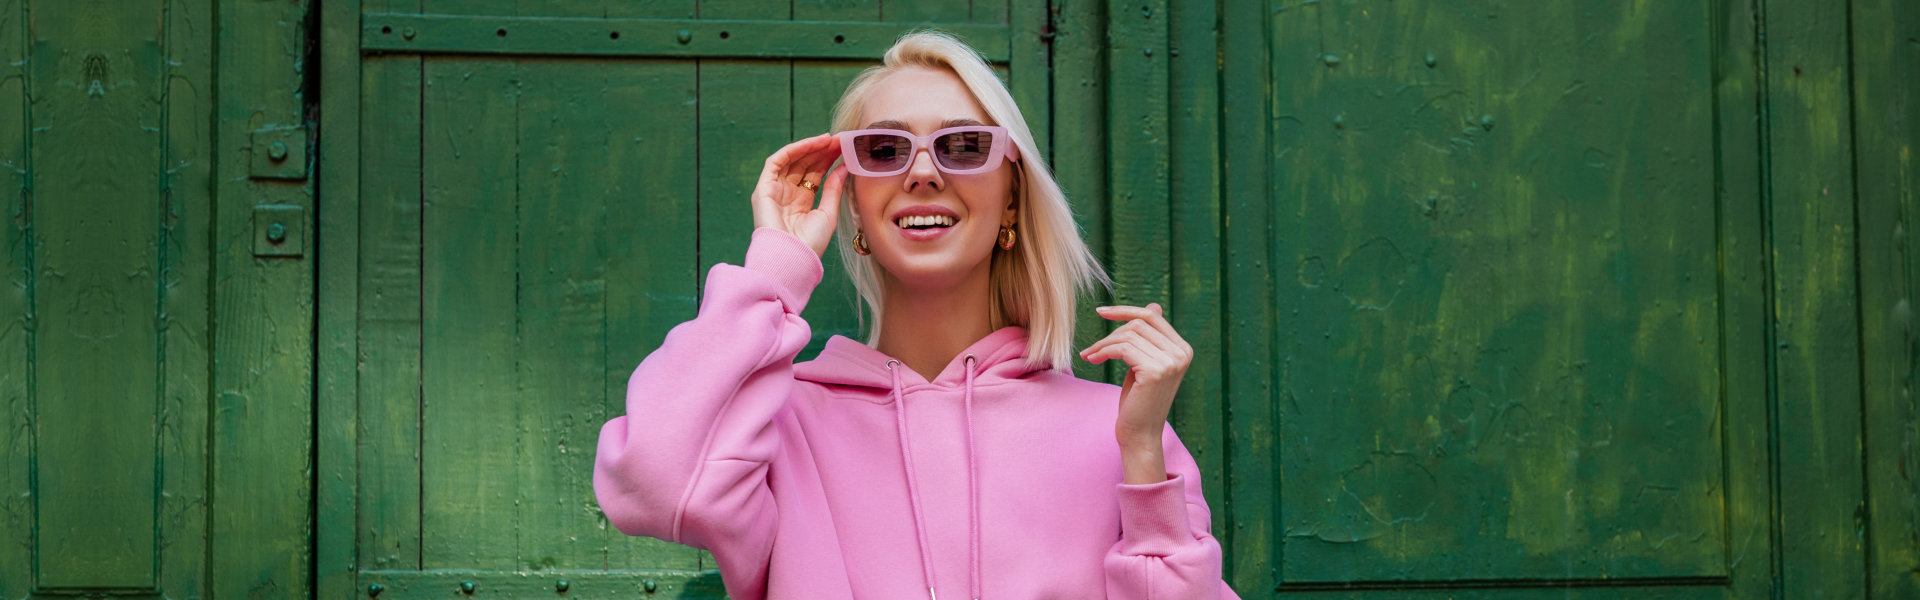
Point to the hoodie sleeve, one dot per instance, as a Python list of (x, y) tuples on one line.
[(1166, 549), (688, 462)]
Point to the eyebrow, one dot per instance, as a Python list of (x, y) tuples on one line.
[(892, 124)]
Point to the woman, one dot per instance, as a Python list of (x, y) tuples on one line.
[(954, 454)]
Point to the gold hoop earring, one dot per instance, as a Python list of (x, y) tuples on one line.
[(1006, 238), (859, 244)]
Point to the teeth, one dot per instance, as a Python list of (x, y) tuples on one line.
[(926, 220)]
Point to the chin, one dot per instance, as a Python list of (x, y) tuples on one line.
[(941, 268)]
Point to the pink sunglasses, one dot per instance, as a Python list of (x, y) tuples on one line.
[(956, 150)]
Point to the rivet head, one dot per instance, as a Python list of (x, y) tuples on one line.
[(1339, 122), (1148, 51), (561, 585), (1331, 60), (650, 585), (1486, 122), (374, 589), (684, 36), (466, 587), (1431, 60), (407, 33), (276, 232), (277, 151)]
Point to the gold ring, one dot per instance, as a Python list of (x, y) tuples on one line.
[(811, 186)]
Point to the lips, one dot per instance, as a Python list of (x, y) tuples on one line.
[(924, 222)]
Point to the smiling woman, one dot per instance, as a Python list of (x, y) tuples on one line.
[(954, 452)]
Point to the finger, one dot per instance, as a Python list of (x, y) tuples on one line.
[(818, 162), (779, 166), (830, 200), (1147, 351), (1154, 336), (1151, 314), (786, 154), (1135, 354), (1112, 336)]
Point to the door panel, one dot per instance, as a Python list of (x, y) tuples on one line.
[(1499, 351)]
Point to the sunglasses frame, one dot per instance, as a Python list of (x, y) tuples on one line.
[(995, 155)]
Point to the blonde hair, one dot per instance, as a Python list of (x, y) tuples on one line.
[(1032, 285)]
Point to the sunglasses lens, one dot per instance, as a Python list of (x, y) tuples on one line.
[(882, 152), (964, 149)]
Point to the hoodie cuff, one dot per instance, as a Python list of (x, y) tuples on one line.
[(1153, 517), (787, 259)]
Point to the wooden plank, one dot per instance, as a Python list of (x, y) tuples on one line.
[(707, 38), (563, 196), (186, 215), (1030, 68), (1811, 243), (1247, 107), (836, 10), (390, 320), (817, 85), (16, 320), (492, 585), (835, 306), (1745, 405), (1080, 155), (650, 259), (942, 12), (1196, 276), (744, 117), (471, 441), (1885, 38), (95, 301), (336, 461), (1137, 151), (263, 332), (996, 11)]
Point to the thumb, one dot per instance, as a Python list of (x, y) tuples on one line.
[(830, 196)]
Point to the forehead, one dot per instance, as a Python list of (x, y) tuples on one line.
[(922, 99)]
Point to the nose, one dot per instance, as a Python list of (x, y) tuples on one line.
[(924, 172)]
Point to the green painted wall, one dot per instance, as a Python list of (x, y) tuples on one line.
[(1490, 300)]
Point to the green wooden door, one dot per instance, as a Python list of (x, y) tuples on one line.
[(541, 191), (1507, 351), (155, 344)]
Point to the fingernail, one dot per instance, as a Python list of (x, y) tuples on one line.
[(1102, 308)]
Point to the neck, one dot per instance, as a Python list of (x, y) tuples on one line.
[(927, 327)]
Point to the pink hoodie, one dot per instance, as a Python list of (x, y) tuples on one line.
[(853, 476)]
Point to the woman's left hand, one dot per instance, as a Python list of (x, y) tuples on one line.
[(1156, 357)]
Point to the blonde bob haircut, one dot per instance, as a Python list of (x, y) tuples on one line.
[(1032, 285)]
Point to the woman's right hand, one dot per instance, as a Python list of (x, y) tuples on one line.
[(779, 201)]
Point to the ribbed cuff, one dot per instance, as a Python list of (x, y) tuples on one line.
[(787, 259), (1153, 517)]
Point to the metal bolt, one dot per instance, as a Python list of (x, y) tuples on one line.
[(561, 585), (1149, 51), (1146, 11), (276, 232), (277, 152), (407, 33), (466, 587), (684, 36), (1331, 60), (1339, 122), (374, 589), (650, 586), (1431, 61), (1486, 122)]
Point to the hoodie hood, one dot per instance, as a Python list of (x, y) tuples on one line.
[(998, 356)]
